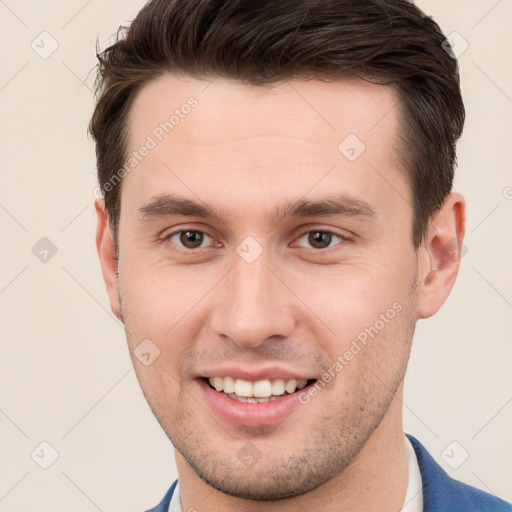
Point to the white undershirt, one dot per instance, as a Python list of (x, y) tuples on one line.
[(413, 497)]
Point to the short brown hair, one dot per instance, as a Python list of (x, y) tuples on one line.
[(389, 42)]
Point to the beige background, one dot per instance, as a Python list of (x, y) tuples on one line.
[(65, 374)]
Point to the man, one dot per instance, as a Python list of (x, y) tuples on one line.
[(277, 215)]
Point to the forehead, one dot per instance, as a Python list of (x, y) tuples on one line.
[(223, 138), (311, 110)]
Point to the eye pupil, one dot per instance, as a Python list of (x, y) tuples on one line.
[(191, 239), (319, 239)]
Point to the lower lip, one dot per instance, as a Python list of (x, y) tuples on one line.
[(246, 414)]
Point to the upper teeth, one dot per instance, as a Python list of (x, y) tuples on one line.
[(259, 389)]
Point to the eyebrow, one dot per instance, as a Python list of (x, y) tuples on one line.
[(168, 205)]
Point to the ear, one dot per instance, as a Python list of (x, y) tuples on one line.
[(106, 254), (440, 255)]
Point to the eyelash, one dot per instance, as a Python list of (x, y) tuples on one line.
[(325, 231)]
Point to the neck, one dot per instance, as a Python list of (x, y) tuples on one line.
[(375, 481)]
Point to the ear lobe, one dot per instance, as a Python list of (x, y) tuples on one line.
[(442, 251), (106, 254)]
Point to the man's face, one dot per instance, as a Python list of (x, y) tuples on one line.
[(270, 287)]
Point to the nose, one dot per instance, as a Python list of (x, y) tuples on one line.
[(254, 305)]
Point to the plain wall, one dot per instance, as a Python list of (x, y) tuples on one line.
[(65, 373)]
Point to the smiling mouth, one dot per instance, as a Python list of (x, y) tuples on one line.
[(261, 391)]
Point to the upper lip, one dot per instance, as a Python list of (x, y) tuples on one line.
[(255, 374)]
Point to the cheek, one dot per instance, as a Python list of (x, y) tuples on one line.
[(369, 360), (350, 299), (159, 301)]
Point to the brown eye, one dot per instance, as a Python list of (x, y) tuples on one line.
[(191, 239), (320, 239), (188, 238)]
